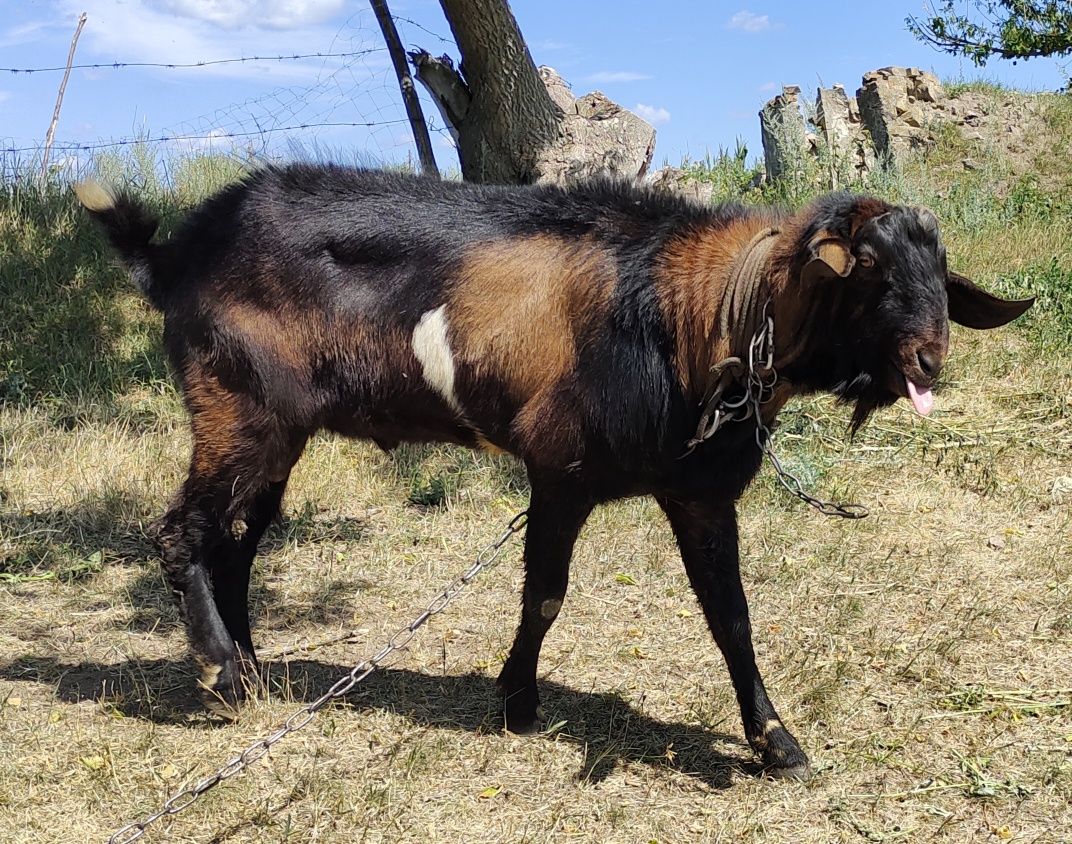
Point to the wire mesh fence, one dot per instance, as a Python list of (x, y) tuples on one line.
[(339, 101)]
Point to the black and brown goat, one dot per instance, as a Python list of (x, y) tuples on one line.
[(574, 328)]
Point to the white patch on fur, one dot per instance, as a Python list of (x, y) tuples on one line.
[(550, 608), (94, 195), (432, 349)]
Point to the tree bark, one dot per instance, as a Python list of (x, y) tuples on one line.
[(516, 124), (508, 100)]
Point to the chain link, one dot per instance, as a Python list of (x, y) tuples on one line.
[(301, 717), (760, 381)]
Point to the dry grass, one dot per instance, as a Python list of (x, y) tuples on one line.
[(921, 656), (925, 671)]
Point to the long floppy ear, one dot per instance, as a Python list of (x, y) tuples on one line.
[(830, 255), (975, 308)]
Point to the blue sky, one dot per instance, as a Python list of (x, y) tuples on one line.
[(699, 71)]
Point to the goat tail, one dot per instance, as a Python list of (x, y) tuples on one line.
[(130, 227)]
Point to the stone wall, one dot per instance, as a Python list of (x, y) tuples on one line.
[(837, 139), (893, 114)]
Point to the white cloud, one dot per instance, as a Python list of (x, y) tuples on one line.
[(655, 115), (749, 21), (25, 33), (263, 14), (189, 31), (767, 87), (5, 95), (215, 139), (617, 76)]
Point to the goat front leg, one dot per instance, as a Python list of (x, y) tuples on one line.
[(555, 517), (707, 536)]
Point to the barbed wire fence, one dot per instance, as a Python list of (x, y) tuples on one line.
[(348, 107)]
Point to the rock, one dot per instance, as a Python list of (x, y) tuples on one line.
[(596, 106), (996, 542), (676, 180), (1061, 491), (598, 136), (834, 117), (896, 113), (784, 133), (558, 88), (891, 92), (913, 118), (846, 142)]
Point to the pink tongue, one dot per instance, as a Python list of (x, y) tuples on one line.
[(922, 400)]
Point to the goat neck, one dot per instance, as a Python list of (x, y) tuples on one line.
[(745, 299)]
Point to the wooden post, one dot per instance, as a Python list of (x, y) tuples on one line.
[(405, 83), (51, 135)]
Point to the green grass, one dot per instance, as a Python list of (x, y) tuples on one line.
[(728, 172), (988, 86)]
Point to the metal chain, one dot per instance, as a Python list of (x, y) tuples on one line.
[(761, 382), (300, 718), (761, 379)]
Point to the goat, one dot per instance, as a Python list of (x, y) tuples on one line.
[(578, 328)]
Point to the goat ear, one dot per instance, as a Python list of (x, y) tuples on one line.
[(973, 307), (830, 256)]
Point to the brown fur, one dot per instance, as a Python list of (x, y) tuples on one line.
[(219, 420), (693, 271), (519, 306), (518, 311), (270, 330)]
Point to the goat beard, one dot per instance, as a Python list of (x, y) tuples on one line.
[(869, 395)]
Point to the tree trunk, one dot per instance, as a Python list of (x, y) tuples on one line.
[(516, 124), (509, 102)]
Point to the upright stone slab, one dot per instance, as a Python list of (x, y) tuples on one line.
[(847, 143), (785, 142), (897, 105)]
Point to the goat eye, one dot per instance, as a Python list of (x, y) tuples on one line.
[(866, 261)]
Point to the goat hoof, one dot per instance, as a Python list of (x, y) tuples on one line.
[(786, 763), (782, 757), (522, 718), (222, 688), (800, 772)]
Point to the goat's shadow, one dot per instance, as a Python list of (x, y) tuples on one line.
[(608, 729), (71, 544)]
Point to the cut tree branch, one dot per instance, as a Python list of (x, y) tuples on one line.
[(50, 136), (445, 85)]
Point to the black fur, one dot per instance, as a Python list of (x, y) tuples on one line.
[(354, 258)]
